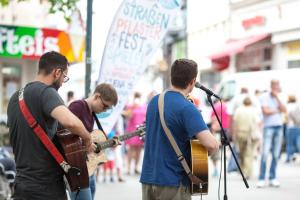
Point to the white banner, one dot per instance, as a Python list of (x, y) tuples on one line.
[(135, 34)]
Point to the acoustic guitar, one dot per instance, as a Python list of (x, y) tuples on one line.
[(199, 167), (83, 163)]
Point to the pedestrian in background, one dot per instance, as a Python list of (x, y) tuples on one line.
[(272, 108), (293, 128), (70, 97), (221, 109), (246, 134), (135, 115)]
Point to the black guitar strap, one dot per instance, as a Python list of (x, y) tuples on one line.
[(99, 124)]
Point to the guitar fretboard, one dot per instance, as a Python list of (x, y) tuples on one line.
[(111, 142)]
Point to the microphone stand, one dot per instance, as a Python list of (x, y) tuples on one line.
[(225, 142)]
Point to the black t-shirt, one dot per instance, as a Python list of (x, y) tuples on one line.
[(33, 161)]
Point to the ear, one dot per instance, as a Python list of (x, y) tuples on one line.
[(193, 81), (96, 96), (57, 73)]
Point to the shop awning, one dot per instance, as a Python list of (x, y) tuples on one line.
[(221, 59), (236, 46)]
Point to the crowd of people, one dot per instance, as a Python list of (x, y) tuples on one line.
[(257, 125)]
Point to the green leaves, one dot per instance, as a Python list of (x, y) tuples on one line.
[(65, 6)]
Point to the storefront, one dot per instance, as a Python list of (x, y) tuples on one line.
[(20, 49), (279, 20), (293, 54)]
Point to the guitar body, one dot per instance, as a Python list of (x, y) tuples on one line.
[(199, 166), (75, 154), (94, 159)]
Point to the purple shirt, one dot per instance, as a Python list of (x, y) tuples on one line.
[(81, 109)]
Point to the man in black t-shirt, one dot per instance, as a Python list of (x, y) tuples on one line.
[(38, 175)]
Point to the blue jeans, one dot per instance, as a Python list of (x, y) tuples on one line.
[(292, 141), (86, 193), (232, 167), (272, 140)]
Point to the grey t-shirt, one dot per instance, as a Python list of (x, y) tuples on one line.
[(33, 161)]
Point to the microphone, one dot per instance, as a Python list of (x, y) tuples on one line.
[(208, 91)]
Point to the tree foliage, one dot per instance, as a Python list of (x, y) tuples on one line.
[(65, 6)]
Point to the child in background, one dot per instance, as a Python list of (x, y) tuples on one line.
[(110, 164)]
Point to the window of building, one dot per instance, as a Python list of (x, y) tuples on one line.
[(294, 64), (11, 82)]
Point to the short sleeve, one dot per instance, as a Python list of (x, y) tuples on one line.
[(76, 107), (50, 100), (264, 100), (193, 120)]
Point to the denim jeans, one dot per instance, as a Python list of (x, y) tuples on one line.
[(272, 141), (86, 193), (292, 141)]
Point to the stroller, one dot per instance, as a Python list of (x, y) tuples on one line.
[(7, 174)]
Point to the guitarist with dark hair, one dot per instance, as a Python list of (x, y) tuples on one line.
[(103, 99), (38, 174), (163, 176)]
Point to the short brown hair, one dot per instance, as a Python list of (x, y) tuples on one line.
[(52, 60), (107, 92), (247, 101), (292, 99), (183, 71)]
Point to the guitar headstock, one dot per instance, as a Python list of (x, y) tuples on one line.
[(141, 129)]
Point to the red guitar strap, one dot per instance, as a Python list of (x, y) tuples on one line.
[(41, 134)]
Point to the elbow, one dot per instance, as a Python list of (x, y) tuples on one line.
[(213, 147), (69, 124)]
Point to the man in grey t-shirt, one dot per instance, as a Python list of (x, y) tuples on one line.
[(38, 175)]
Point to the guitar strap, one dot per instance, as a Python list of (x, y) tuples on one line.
[(99, 124), (194, 179), (41, 134)]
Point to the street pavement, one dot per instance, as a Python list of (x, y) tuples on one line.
[(288, 175)]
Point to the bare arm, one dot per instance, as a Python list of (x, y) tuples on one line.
[(127, 113), (281, 106), (208, 141), (68, 120), (269, 111)]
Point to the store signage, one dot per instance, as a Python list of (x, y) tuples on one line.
[(31, 43), (293, 48), (255, 21)]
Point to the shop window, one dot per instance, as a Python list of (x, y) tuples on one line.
[(227, 90), (267, 54), (294, 64), (210, 78), (11, 82)]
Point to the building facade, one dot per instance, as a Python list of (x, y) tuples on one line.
[(24, 37), (248, 35)]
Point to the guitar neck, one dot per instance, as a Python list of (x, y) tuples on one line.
[(129, 135), (111, 142)]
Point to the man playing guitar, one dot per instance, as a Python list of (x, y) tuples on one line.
[(38, 174), (163, 176), (103, 98)]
